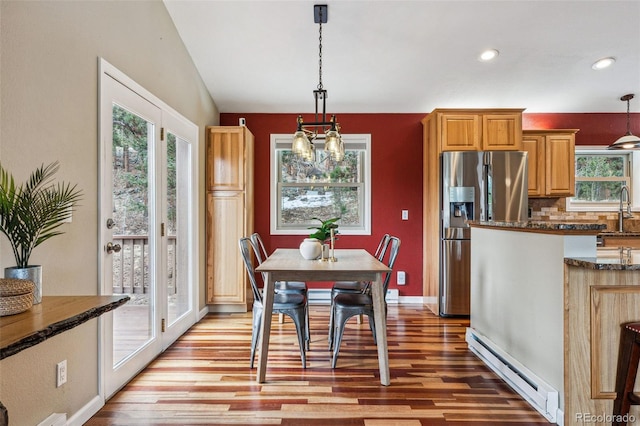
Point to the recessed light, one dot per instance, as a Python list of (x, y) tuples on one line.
[(603, 63), (488, 55)]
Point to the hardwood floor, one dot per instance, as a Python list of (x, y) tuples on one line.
[(204, 378)]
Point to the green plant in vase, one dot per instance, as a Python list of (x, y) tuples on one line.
[(32, 213), (323, 232)]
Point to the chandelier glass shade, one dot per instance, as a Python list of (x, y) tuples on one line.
[(320, 129), (629, 140)]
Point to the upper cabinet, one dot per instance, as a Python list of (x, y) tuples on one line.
[(226, 155), (478, 129), (551, 162)]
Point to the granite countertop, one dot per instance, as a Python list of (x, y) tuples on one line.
[(624, 259), (619, 234), (545, 226)]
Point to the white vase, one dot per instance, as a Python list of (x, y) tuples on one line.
[(310, 248), (31, 273)]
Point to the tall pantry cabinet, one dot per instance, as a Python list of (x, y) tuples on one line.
[(229, 181)]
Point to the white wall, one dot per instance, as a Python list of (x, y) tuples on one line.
[(48, 111)]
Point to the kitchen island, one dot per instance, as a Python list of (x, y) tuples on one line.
[(517, 308)]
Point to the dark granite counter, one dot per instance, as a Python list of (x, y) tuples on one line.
[(544, 227), (630, 234), (621, 259), (53, 316)]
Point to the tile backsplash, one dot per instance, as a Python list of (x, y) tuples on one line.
[(554, 210)]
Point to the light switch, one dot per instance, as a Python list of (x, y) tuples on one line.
[(405, 214)]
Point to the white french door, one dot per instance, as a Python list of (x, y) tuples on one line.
[(147, 225)]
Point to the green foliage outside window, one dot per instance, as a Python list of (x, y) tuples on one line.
[(599, 178)]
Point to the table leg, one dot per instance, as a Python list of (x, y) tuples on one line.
[(265, 331), (381, 329)]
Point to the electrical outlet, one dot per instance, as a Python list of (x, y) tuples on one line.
[(61, 373), (402, 278), (405, 214)]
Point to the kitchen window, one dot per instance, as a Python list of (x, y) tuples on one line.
[(600, 175), (324, 188)]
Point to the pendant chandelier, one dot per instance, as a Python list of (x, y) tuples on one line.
[(628, 141), (321, 128)]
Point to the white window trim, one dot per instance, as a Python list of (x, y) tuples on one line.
[(280, 139), (634, 177)]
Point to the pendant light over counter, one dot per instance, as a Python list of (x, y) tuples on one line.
[(628, 141)]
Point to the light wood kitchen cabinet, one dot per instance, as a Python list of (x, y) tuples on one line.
[(551, 162), (229, 177), (479, 129)]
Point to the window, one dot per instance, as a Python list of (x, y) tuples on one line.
[(303, 190), (600, 175)]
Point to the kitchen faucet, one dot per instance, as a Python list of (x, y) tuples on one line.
[(621, 213)]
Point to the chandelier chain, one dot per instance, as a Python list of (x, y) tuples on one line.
[(320, 55)]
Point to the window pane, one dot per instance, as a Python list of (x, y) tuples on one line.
[(299, 204), (600, 166), (324, 169), (598, 191)]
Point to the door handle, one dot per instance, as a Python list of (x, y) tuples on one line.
[(111, 248)]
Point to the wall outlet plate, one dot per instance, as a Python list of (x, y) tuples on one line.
[(401, 278), (61, 373)]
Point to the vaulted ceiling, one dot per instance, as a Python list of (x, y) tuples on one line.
[(399, 56)]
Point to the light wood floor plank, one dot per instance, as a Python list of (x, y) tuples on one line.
[(204, 378)]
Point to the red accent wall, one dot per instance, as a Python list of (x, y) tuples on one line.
[(396, 173)]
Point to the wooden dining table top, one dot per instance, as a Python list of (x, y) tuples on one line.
[(288, 263)]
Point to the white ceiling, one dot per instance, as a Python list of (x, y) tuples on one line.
[(413, 56)]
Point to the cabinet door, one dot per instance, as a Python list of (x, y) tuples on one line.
[(560, 165), (502, 132), (225, 158), (534, 146), (226, 277), (459, 132)]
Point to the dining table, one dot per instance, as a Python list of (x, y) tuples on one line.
[(344, 265)]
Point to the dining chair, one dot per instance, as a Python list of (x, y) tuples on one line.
[(284, 287), (290, 304), (347, 305), (354, 287)]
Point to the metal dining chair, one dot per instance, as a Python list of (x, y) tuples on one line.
[(354, 287), (347, 305), (290, 304), (284, 287)]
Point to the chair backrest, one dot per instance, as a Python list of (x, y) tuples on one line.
[(247, 249), (394, 242), (382, 247), (258, 246)]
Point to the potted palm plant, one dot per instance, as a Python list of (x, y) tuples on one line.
[(30, 214)]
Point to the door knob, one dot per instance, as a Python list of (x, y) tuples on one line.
[(111, 248)]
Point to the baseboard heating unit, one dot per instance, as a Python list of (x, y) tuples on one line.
[(533, 389), (322, 296)]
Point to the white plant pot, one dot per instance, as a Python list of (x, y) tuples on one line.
[(31, 273), (310, 248)]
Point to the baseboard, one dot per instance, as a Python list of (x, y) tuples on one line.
[(539, 394), (86, 412)]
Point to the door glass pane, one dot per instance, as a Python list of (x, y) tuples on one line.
[(178, 193), (132, 323)]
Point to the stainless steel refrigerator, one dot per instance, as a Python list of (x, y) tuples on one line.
[(481, 186)]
